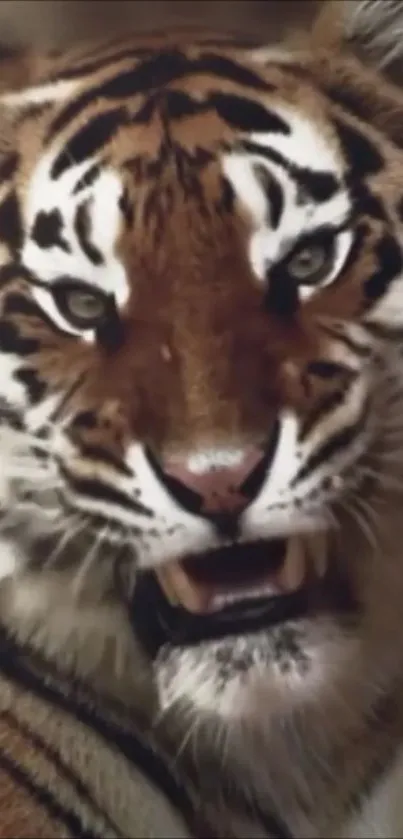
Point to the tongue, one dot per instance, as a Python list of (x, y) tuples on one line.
[(207, 584)]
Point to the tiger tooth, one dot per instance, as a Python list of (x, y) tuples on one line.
[(319, 555), (180, 591), (165, 582), (293, 572)]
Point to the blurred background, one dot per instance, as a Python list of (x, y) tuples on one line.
[(58, 22)]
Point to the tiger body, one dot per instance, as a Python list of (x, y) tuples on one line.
[(72, 766), (200, 355)]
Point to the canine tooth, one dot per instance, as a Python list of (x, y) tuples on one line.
[(166, 584), (179, 589), (319, 555), (293, 571)]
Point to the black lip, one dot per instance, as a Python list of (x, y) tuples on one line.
[(157, 623)]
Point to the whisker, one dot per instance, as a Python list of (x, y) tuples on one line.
[(66, 537), (82, 574)]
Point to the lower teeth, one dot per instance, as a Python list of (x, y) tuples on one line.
[(220, 601)]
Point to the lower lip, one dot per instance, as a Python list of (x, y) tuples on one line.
[(157, 622)]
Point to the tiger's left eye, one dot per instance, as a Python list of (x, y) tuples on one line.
[(311, 264), (81, 307)]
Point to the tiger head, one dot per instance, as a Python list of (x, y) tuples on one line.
[(201, 380)]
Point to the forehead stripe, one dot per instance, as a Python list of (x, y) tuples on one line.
[(88, 140), (320, 185), (82, 227), (157, 72), (361, 154), (247, 114)]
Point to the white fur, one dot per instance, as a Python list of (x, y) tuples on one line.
[(43, 94), (49, 264), (304, 147), (10, 387), (381, 816), (270, 55), (377, 27)]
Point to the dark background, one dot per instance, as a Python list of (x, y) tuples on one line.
[(55, 22)]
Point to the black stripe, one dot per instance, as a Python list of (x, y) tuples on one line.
[(20, 304), (101, 455), (106, 60), (323, 408), (126, 207), (87, 179), (44, 798), (151, 764), (276, 201), (324, 369), (365, 202), (62, 767), (35, 386), (362, 351), (390, 264), (82, 227), (177, 105), (386, 333), (281, 296), (367, 109), (99, 491), (337, 442), (47, 230), (12, 340), (321, 186), (225, 203), (352, 100), (247, 115), (88, 140), (157, 72), (8, 166), (361, 153), (11, 230)]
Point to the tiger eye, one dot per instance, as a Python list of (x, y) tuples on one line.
[(310, 264), (84, 306)]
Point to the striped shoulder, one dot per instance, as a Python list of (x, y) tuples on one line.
[(70, 768)]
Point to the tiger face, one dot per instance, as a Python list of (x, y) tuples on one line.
[(201, 384)]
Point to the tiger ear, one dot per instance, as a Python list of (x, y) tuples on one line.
[(370, 29)]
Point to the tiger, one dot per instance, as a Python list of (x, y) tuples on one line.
[(201, 437)]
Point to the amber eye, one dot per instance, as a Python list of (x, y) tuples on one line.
[(84, 308), (311, 264)]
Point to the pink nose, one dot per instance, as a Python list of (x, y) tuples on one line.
[(221, 489)]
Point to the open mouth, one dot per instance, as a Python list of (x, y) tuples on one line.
[(207, 585), (234, 590)]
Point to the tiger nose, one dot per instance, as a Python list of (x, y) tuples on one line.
[(217, 489)]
